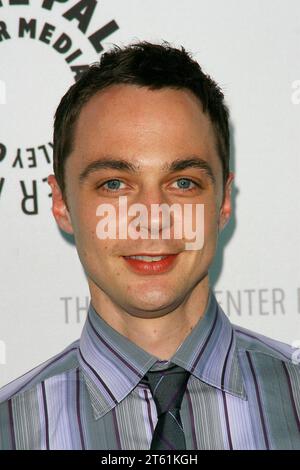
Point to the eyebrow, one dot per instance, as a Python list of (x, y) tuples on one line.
[(193, 162), (170, 167)]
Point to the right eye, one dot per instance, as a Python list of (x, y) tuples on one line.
[(112, 185)]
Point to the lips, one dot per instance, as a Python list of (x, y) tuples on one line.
[(151, 267)]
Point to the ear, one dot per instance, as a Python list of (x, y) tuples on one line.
[(225, 210), (59, 208)]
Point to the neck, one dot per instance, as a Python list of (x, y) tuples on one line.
[(161, 335)]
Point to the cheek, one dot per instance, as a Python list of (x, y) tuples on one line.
[(88, 240), (210, 217), (84, 221)]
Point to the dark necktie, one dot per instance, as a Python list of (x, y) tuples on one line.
[(168, 387)]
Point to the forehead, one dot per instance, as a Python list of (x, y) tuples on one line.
[(146, 126)]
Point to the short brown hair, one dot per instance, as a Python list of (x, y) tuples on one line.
[(154, 66)]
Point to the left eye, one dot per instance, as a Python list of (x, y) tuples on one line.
[(184, 184), (112, 185)]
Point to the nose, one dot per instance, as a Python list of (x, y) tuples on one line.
[(157, 215)]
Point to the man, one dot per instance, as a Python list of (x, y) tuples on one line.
[(158, 364)]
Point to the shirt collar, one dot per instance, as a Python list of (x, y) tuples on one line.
[(113, 365)]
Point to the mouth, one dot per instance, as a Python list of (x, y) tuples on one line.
[(154, 263)]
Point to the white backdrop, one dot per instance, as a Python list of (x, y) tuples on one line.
[(252, 49)]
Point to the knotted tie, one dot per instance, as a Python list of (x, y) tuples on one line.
[(168, 387)]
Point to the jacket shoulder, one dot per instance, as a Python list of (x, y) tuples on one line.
[(61, 362), (252, 341)]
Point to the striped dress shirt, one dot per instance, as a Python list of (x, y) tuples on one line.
[(243, 392)]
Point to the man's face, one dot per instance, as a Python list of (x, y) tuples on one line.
[(149, 129)]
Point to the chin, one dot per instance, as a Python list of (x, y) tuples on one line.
[(159, 304)]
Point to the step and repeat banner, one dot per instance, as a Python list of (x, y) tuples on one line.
[(252, 49)]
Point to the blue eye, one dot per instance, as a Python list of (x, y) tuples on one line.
[(184, 184), (112, 185)]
